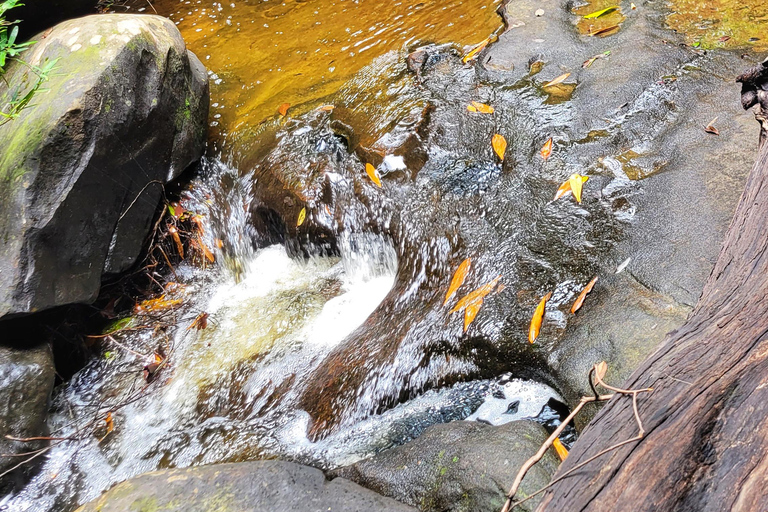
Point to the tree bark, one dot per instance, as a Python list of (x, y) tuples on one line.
[(706, 422)]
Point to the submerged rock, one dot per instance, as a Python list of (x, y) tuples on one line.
[(262, 486), (460, 466), (81, 172), (26, 382)]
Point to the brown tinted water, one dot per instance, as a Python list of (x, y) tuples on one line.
[(267, 53)]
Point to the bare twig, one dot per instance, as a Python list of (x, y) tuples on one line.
[(544, 447)]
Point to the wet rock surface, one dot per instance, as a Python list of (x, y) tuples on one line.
[(460, 466), (26, 382), (264, 486), (81, 174), (661, 192)]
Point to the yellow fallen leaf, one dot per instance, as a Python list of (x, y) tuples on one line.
[(474, 51), (562, 452), (373, 174), (458, 279), (471, 312), (600, 13), (302, 217), (326, 108), (583, 295), (546, 150), (177, 240), (538, 315), (565, 188), (471, 108), (576, 185), (482, 108), (499, 144), (557, 80)]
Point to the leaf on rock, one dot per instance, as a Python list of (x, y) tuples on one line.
[(546, 149), (206, 251), (601, 369), (499, 144), (473, 296), (576, 185), (561, 450), (302, 217), (471, 312), (481, 107), (200, 322), (557, 80), (283, 109), (373, 174), (538, 316), (580, 299), (592, 60), (603, 12), (458, 279), (710, 128), (474, 51)]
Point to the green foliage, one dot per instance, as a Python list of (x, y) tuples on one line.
[(19, 96)]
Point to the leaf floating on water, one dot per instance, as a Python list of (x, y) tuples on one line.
[(109, 422), (604, 31), (600, 13), (565, 188), (471, 108), (481, 107), (576, 185), (218, 242), (373, 174), (538, 316), (623, 265), (326, 108), (710, 128), (471, 312), (583, 295), (546, 150), (499, 144), (283, 109), (302, 217), (561, 450), (458, 279), (473, 296), (474, 51), (557, 80), (200, 322)]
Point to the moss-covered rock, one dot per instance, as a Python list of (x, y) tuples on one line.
[(263, 486), (81, 171), (459, 467)]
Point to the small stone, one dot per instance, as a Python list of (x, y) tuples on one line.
[(539, 12)]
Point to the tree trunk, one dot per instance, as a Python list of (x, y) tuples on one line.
[(706, 422)]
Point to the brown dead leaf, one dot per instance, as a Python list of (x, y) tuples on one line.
[(373, 174), (546, 150), (583, 295), (177, 240), (283, 109), (499, 144), (557, 80), (710, 128), (458, 279), (601, 369), (205, 250), (605, 31), (200, 322), (561, 450), (538, 316)]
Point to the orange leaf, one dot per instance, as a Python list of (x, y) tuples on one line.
[(200, 322), (283, 109), (583, 295), (557, 80), (373, 174), (562, 452), (458, 279), (482, 108), (546, 150), (471, 312), (576, 184), (474, 51), (206, 252), (565, 188), (218, 242), (601, 369), (473, 296), (499, 144), (177, 240), (326, 108), (538, 315)]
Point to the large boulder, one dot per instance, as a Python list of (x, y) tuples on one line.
[(26, 381), (263, 486), (459, 467), (81, 173)]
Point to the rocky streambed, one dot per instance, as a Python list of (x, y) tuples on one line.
[(328, 342)]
